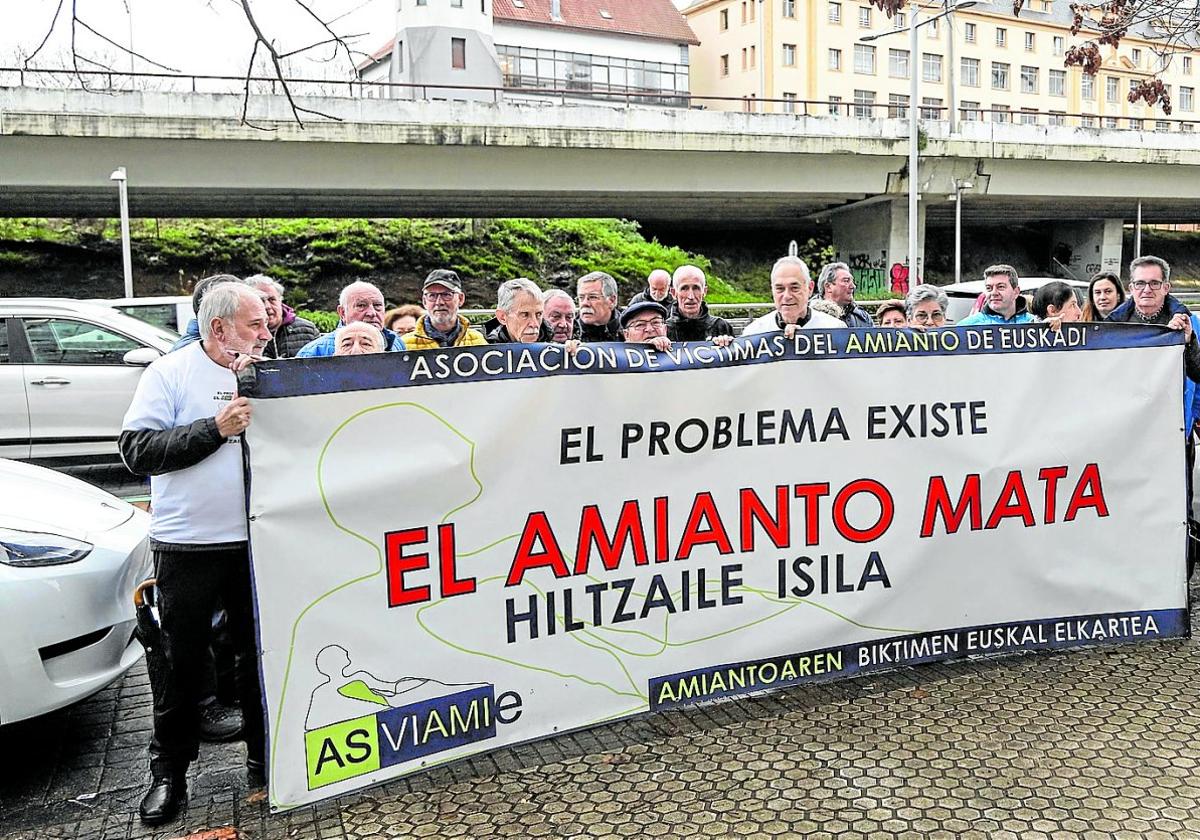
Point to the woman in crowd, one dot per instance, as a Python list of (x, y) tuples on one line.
[(403, 319), (1104, 295), (891, 313), (1056, 302), (926, 306)]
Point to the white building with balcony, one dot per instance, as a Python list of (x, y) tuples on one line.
[(625, 50)]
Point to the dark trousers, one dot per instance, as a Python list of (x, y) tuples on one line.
[(191, 582)]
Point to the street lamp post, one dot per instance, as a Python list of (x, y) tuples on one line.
[(959, 186), (913, 126), (126, 257)]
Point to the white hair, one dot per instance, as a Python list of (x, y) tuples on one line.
[(223, 300), (255, 279), (356, 286), (551, 294), (506, 295), (377, 335), (608, 286), (685, 270)]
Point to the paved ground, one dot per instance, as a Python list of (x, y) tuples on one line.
[(1095, 743)]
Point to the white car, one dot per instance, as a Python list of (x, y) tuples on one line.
[(68, 371), (171, 312), (963, 295), (70, 558)]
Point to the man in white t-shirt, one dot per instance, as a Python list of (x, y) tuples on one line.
[(791, 287), (184, 430)]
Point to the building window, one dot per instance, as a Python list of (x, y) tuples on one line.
[(1000, 114), (1087, 86), (1112, 89), (1162, 125), (684, 55), (789, 55), (1187, 98), (789, 9), (931, 67), (1058, 82), (1030, 42), (1136, 125), (1029, 116), (458, 53), (789, 103), (743, 12), (456, 4), (1186, 128), (864, 17), (970, 72), (1029, 79), (1135, 55), (897, 106), (863, 100), (1001, 36), (932, 108), (970, 111), (1059, 45), (1088, 121), (999, 75), (1187, 65), (745, 58), (898, 63), (725, 64), (1110, 122), (400, 56), (753, 55), (864, 59), (1133, 83), (724, 18), (898, 20), (835, 105), (969, 33), (835, 59), (1056, 118), (835, 12), (753, 10)]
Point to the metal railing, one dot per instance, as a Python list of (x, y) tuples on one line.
[(111, 81)]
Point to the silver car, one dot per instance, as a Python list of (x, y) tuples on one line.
[(68, 371)]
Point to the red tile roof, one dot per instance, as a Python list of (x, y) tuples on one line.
[(658, 19)]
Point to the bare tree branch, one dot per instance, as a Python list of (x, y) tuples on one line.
[(125, 49), (49, 32)]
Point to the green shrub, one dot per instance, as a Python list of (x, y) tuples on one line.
[(325, 321)]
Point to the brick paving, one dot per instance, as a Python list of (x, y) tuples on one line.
[(1103, 742)]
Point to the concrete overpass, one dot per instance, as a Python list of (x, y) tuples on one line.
[(189, 155)]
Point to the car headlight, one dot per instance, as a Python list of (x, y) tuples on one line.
[(26, 549)]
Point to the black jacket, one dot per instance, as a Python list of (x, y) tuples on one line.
[(669, 301), (702, 328), (290, 337), (603, 332), (154, 451), (499, 333)]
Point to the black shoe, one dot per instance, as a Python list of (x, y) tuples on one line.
[(256, 772), (219, 723), (162, 802)]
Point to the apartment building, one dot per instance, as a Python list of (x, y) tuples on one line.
[(1002, 68)]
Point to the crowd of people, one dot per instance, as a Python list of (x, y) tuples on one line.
[(185, 423)]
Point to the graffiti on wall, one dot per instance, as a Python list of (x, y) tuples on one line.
[(870, 273)]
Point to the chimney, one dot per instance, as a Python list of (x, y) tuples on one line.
[(556, 9)]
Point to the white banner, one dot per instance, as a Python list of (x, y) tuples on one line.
[(459, 550)]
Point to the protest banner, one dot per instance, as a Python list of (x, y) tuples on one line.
[(463, 549)]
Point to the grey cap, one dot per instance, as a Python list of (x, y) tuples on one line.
[(444, 277)]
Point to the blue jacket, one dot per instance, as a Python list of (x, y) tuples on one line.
[(192, 333), (327, 344), (987, 316)]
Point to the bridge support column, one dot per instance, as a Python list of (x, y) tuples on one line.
[(1080, 249), (872, 238)]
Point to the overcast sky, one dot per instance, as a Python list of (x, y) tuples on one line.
[(192, 36)]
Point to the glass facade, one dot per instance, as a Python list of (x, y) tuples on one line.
[(602, 76)]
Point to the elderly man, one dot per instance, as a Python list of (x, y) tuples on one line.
[(199, 290), (836, 284), (689, 319), (1004, 302), (184, 429), (926, 306), (519, 314), (360, 301), (645, 323), (357, 339), (289, 332), (791, 288), (442, 295), (658, 289), (559, 312), (1150, 302), (597, 293)]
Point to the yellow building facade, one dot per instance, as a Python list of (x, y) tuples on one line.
[(807, 54)]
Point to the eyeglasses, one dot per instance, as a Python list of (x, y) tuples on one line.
[(591, 297), (928, 317), (645, 325), (439, 295), (1147, 284)]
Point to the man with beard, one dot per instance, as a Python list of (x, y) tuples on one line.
[(689, 319), (658, 289), (184, 429), (442, 326), (519, 314), (289, 332), (360, 301), (597, 293)]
